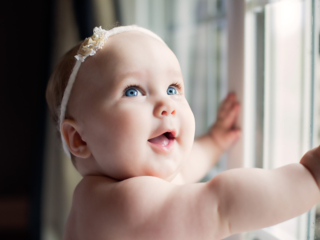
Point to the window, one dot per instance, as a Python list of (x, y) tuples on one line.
[(278, 95)]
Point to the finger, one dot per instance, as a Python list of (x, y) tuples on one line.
[(223, 114), (226, 105), (226, 102), (231, 117)]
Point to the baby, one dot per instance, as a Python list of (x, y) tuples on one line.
[(129, 130)]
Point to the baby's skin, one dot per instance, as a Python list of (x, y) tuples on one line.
[(139, 183)]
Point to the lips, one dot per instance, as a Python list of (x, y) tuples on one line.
[(164, 141)]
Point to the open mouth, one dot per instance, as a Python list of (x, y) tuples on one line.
[(164, 140), (169, 135)]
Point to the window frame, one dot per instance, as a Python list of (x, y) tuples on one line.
[(240, 44)]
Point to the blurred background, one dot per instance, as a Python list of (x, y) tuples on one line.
[(267, 51)]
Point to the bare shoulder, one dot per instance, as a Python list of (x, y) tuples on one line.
[(143, 208), (84, 206)]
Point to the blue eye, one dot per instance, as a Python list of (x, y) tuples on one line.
[(132, 92), (172, 91)]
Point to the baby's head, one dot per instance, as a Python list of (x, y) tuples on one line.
[(127, 114)]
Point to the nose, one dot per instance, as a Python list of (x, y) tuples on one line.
[(164, 107)]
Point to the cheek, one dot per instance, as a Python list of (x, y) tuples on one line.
[(131, 123), (124, 131)]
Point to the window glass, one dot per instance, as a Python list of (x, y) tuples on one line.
[(279, 93), (315, 221)]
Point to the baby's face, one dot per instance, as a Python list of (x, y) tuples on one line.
[(124, 99)]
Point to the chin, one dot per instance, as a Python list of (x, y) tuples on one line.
[(164, 175), (168, 175), (171, 177)]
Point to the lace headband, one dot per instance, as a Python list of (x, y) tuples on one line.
[(89, 47)]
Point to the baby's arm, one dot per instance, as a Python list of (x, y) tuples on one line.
[(255, 198), (208, 148), (241, 200)]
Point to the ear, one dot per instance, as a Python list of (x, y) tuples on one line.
[(77, 146)]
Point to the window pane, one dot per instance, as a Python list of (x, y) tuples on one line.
[(314, 221), (278, 91)]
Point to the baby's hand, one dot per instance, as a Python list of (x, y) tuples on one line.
[(224, 132), (311, 160)]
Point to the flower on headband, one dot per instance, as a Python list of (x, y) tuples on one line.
[(91, 44)]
